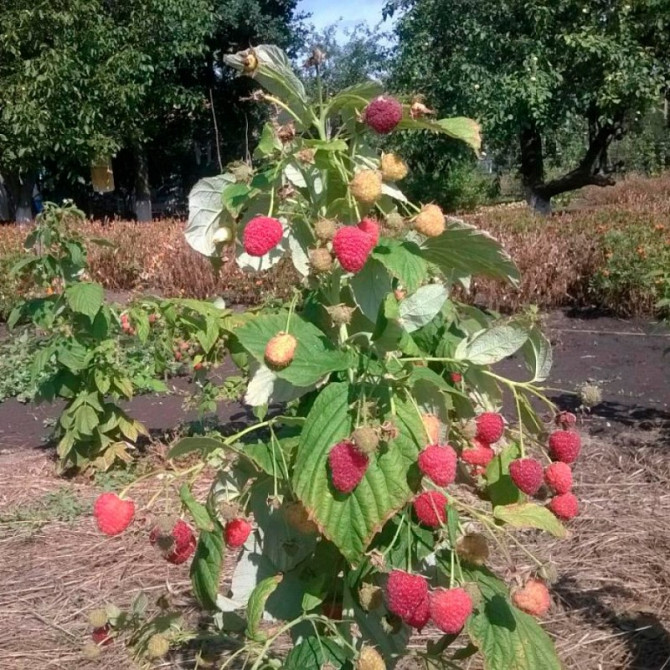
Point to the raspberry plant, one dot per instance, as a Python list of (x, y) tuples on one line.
[(365, 497)]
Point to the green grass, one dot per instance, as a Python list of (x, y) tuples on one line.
[(61, 505)]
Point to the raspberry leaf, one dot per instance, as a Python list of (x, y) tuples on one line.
[(256, 604), (422, 306), (351, 521), (206, 567), (198, 511), (493, 345), (404, 261), (537, 355), (370, 287), (501, 488), (314, 653), (206, 213), (530, 515)]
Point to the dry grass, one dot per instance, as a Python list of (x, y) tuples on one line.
[(611, 602)]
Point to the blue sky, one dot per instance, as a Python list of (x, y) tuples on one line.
[(325, 12)]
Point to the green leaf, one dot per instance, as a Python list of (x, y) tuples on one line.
[(509, 639), (313, 654), (85, 420), (85, 298), (315, 356), (538, 355), (269, 142), (354, 97), (188, 445), (530, 515), (256, 604), (351, 521), (206, 213), (404, 260), (493, 345), (370, 286), (197, 510), (501, 488), (422, 306), (206, 567), (458, 127), (464, 250)]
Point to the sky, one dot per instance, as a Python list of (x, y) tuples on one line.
[(325, 12)]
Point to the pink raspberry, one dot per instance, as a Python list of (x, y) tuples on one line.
[(112, 514), (383, 114), (558, 476), (450, 609), (181, 542), (565, 506), (236, 532), (564, 445), (490, 427), (347, 466), (438, 463), (352, 246), (407, 597), (480, 455), (371, 227), (261, 234), (526, 473), (430, 508)]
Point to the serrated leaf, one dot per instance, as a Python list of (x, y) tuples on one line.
[(458, 127), (463, 249), (85, 298), (315, 356), (393, 192), (351, 521), (206, 213), (266, 388), (198, 511), (256, 604), (404, 260), (538, 355), (206, 567), (355, 97), (422, 306), (501, 488), (313, 654), (530, 515), (493, 345), (188, 445), (370, 287)]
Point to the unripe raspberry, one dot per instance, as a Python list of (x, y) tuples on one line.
[(527, 475), (558, 476), (393, 167), (383, 114), (450, 609), (432, 427), (366, 186), (324, 229), (370, 596), (564, 445), (158, 646), (261, 234), (297, 516), (566, 420), (473, 548), (91, 651), (369, 659), (352, 246), (564, 506), (249, 62), (371, 227), (407, 597), (430, 221), (280, 350), (395, 223), (366, 439), (438, 463), (490, 427), (222, 235), (321, 260), (347, 466), (533, 598), (430, 508), (341, 314), (98, 618)]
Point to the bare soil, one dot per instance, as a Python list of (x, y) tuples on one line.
[(611, 600)]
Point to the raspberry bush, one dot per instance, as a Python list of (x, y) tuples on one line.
[(368, 495)]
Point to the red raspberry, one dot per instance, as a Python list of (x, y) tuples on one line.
[(526, 473), (564, 506), (438, 463), (261, 234), (181, 542), (558, 476), (352, 246), (564, 445), (407, 597), (456, 377), (383, 114), (490, 427), (347, 466), (101, 636), (236, 532), (430, 508), (450, 609), (371, 227), (112, 514), (533, 598), (481, 454)]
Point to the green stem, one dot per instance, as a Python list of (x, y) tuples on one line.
[(290, 310)]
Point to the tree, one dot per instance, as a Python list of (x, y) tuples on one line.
[(529, 69)]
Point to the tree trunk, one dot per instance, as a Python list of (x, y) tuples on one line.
[(142, 190), (5, 208), (532, 169), (20, 189)]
